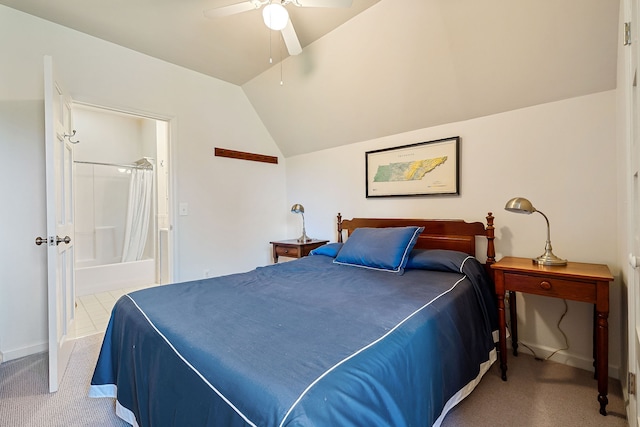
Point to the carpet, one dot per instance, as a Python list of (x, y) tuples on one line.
[(25, 399)]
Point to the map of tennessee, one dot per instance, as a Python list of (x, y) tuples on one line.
[(407, 171)]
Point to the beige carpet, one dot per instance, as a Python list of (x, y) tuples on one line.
[(25, 400), (537, 394)]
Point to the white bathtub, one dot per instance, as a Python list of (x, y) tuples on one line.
[(103, 278)]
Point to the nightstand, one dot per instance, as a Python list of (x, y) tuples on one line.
[(293, 249), (575, 281)]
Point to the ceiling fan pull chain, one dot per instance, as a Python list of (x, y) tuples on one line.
[(281, 61), (270, 54)]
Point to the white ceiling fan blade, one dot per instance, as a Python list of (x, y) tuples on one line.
[(291, 39), (323, 3), (232, 9)]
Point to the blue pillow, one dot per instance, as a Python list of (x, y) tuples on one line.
[(330, 249), (385, 249), (437, 259)]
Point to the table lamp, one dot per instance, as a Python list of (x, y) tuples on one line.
[(298, 208), (524, 206)]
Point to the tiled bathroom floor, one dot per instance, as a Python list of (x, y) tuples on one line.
[(93, 311)]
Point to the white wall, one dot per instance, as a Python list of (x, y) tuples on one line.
[(235, 207), (562, 156), (109, 137)]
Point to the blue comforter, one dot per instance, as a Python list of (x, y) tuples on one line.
[(302, 343)]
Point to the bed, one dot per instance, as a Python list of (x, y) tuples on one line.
[(392, 326)]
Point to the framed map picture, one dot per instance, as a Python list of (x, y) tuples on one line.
[(425, 168)]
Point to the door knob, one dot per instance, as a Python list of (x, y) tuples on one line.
[(66, 240)]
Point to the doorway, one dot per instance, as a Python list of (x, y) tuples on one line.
[(121, 205)]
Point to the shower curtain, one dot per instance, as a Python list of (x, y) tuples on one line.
[(138, 214)]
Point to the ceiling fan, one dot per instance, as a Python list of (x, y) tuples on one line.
[(276, 16)]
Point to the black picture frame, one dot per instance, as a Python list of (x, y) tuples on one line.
[(421, 169)]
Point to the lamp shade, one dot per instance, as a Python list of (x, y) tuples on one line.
[(520, 205), (275, 16), (297, 208)]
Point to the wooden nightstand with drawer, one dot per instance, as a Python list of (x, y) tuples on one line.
[(292, 248), (575, 281)]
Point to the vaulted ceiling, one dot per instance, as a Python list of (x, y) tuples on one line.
[(381, 67), (233, 48)]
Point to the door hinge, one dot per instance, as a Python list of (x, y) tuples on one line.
[(631, 384), (627, 33)]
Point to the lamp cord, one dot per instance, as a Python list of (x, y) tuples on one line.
[(566, 339)]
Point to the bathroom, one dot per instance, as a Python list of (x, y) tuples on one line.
[(121, 178)]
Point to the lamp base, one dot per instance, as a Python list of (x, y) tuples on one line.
[(304, 238), (548, 258)]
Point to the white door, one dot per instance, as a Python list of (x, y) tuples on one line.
[(60, 234), (631, 58)]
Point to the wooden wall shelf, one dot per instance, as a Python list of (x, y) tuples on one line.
[(241, 155)]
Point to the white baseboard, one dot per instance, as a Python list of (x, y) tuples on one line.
[(24, 351), (564, 357)]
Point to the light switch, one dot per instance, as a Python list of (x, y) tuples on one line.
[(184, 208)]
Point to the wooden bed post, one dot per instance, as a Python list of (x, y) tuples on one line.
[(491, 249)]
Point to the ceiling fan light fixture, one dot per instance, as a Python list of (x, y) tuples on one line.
[(275, 16)]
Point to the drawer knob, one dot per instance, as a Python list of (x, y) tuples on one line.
[(286, 251), (545, 285)]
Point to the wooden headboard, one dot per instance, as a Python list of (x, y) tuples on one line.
[(452, 234)]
